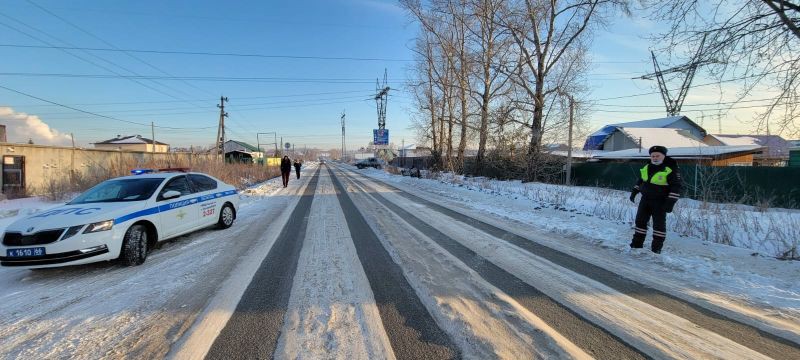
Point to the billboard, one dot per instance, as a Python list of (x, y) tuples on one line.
[(380, 136)]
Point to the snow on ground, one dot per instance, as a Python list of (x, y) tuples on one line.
[(332, 312), (595, 225), (106, 310)]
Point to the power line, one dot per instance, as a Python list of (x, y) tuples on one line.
[(207, 53), (82, 58), (108, 43), (96, 114), (702, 104), (197, 78), (208, 99), (693, 86), (164, 111)]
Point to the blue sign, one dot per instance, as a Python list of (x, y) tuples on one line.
[(380, 136)]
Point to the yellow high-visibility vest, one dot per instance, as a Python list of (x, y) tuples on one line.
[(659, 178)]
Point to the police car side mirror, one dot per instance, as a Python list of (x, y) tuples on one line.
[(170, 194)]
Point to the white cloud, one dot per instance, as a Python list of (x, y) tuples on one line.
[(21, 126)]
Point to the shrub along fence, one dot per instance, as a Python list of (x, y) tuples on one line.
[(761, 186)]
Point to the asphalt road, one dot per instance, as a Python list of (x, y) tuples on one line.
[(255, 327)]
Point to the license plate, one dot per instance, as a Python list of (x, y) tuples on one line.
[(25, 252)]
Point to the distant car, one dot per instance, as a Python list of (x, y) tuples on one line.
[(369, 162), (121, 218)]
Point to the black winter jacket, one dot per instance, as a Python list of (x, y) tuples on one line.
[(286, 165)]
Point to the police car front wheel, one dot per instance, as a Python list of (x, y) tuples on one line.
[(226, 217), (134, 246)]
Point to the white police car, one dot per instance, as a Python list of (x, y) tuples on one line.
[(120, 218)]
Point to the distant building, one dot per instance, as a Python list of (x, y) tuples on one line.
[(673, 131), (741, 155), (239, 151), (3, 133), (775, 149), (132, 143)]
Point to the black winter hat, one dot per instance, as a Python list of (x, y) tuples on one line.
[(658, 148)]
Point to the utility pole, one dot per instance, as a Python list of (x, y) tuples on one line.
[(403, 149), (153, 135), (221, 128), (569, 140), (72, 160), (344, 159)]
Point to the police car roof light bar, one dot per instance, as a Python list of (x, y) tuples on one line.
[(178, 169), (141, 171)]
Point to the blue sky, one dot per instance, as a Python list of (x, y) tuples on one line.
[(300, 99)]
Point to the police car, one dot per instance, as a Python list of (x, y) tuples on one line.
[(121, 218)]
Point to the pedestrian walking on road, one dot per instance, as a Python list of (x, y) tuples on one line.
[(660, 185), (286, 169), (297, 166)]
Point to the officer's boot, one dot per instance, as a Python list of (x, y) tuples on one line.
[(658, 241), (638, 238)]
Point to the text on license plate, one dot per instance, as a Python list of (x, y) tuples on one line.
[(37, 251)]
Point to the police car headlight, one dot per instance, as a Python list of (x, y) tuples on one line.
[(99, 226)]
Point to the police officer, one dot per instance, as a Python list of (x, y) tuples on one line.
[(660, 185)]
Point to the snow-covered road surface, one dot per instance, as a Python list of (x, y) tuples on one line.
[(366, 265)]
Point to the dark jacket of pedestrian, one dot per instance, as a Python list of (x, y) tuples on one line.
[(660, 183), (297, 166), (286, 165), (286, 169)]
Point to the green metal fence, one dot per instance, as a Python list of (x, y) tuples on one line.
[(763, 186), (794, 158)]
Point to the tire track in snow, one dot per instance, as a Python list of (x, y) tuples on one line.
[(332, 312), (253, 329), (410, 328), (593, 339), (756, 339)]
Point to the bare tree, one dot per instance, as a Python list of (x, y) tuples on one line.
[(491, 43), (754, 42), (551, 38)]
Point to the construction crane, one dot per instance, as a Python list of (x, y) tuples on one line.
[(674, 105)]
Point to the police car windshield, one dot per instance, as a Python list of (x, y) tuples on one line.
[(119, 190)]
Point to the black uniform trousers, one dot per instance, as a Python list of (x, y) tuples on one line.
[(651, 207)]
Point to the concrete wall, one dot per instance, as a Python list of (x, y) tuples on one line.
[(42, 163)]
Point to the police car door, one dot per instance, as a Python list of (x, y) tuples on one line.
[(177, 215), (208, 201)]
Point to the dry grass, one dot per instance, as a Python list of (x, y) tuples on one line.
[(65, 185)]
